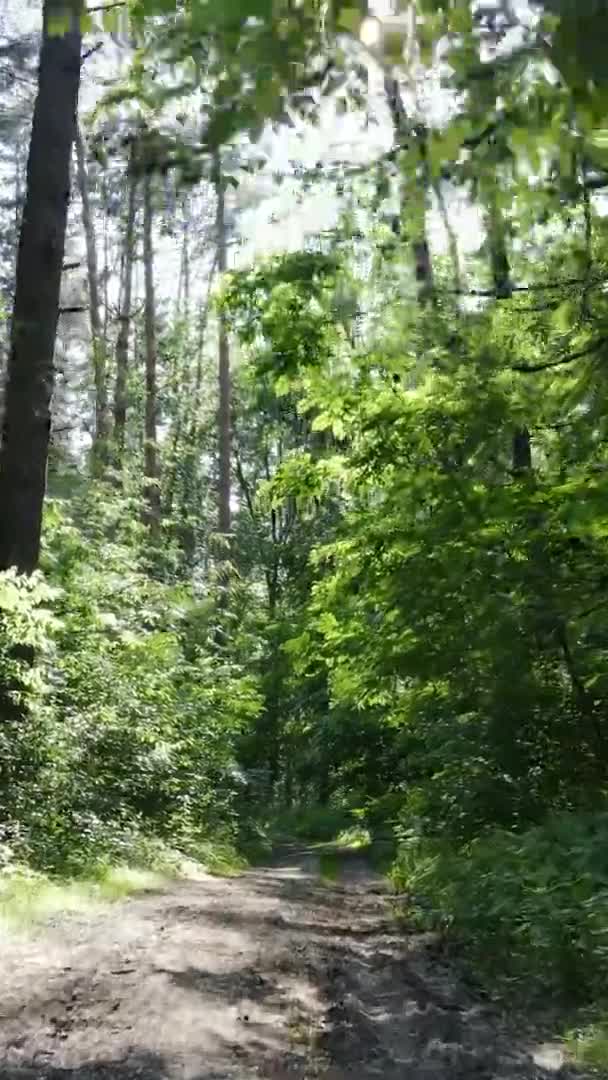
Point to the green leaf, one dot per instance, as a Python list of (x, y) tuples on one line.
[(111, 20), (350, 19), (599, 138)]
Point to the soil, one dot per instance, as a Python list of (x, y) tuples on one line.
[(274, 974)]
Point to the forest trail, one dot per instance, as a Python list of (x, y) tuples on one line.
[(273, 974)]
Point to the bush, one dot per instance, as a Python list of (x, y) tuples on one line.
[(119, 722), (533, 906)]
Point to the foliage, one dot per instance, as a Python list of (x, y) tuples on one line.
[(27, 897), (588, 1045), (130, 726), (405, 634), (532, 906)]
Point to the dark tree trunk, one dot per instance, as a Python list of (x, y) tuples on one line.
[(499, 258), (152, 489), (122, 341), (224, 409), (521, 450), (31, 375), (183, 293), (98, 342), (415, 188)]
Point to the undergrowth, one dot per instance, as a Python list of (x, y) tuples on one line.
[(528, 910), (587, 1044), (28, 896)]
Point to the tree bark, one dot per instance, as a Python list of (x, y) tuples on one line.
[(98, 342), (224, 409), (31, 375), (415, 182), (183, 293), (521, 451), (122, 341), (152, 489)]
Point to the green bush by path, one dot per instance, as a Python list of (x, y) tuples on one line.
[(530, 908), (124, 728)]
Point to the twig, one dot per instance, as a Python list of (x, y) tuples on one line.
[(106, 7), (244, 486), (591, 610), (534, 287), (89, 52)]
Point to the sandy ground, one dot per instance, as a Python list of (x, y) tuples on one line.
[(274, 974)]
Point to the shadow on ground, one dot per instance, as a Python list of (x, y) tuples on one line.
[(271, 975)]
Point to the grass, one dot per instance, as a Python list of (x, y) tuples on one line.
[(588, 1046), (28, 897)]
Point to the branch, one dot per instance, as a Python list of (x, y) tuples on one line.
[(106, 7), (530, 369), (244, 486), (596, 183), (76, 310), (534, 287), (89, 52), (591, 610)]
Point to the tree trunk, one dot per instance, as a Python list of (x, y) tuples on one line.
[(31, 375), (183, 292), (122, 341), (98, 342), (521, 451), (499, 259), (152, 489), (224, 409), (415, 181)]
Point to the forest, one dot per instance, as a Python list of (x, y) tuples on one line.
[(304, 459)]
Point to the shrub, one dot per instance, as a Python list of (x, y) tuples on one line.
[(119, 724), (533, 906)]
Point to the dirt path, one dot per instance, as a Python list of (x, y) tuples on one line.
[(274, 974)]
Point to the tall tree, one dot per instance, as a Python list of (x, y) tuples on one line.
[(152, 490), (411, 139), (224, 407), (98, 341), (503, 289), (31, 375), (122, 340)]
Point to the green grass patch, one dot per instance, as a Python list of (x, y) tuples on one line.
[(27, 898), (587, 1046)]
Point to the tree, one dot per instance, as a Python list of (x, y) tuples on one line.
[(98, 341), (124, 327), (27, 419), (225, 396), (151, 463)]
